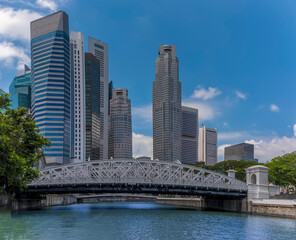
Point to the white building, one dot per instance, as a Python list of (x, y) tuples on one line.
[(207, 151), (100, 50), (78, 96)]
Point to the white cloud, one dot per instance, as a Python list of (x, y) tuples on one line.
[(47, 4), (9, 53), (206, 94), (143, 112), (230, 135), (267, 150), (15, 24), (205, 111), (142, 145), (274, 108), (221, 151), (294, 128), (241, 95)]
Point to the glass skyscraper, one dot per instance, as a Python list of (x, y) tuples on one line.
[(51, 84), (92, 100), (189, 144), (20, 89)]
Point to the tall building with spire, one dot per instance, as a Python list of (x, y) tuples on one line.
[(167, 106), (50, 79)]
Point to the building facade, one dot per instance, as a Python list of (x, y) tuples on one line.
[(167, 106), (189, 144), (120, 123), (20, 89), (50, 56), (78, 97), (207, 151), (242, 151), (100, 50), (92, 97)]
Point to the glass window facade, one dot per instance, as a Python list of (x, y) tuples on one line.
[(51, 84), (20, 89)]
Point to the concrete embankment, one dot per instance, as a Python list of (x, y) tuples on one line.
[(266, 207), (29, 204), (273, 207)]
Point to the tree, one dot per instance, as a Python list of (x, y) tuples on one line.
[(282, 171), (238, 165), (20, 147)]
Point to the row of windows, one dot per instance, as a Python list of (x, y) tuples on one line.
[(49, 35), (50, 47), (48, 41), (50, 52), (53, 90), (52, 100), (57, 155), (52, 75), (52, 57), (51, 109)]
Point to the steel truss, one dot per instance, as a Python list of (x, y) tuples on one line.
[(135, 172)]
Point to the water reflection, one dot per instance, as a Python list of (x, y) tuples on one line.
[(141, 220)]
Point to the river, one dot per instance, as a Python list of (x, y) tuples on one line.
[(139, 220)]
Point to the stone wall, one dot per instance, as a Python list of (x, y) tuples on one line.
[(274, 207)]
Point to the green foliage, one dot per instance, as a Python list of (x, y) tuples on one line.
[(20, 147), (222, 167), (282, 171)]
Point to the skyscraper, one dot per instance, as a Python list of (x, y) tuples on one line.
[(51, 84), (100, 51), (20, 89), (189, 145), (92, 94), (167, 106), (242, 151), (120, 131), (78, 96), (207, 150)]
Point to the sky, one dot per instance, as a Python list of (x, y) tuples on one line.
[(237, 60)]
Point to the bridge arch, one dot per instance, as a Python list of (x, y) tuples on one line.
[(121, 175)]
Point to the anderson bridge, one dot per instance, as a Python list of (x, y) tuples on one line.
[(136, 176)]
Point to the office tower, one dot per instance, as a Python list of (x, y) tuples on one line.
[(120, 131), (167, 106), (100, 51), (207, 150), (78, 96), (189, 145), (92, 97), (51, 84), (242, 151), (20, 89)]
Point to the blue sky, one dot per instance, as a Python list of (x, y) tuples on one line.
[(237, 60)]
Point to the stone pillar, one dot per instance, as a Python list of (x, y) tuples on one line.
[(231, 173), (257, 181)]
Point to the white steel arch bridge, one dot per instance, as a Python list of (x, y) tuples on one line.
[(136, 176)]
